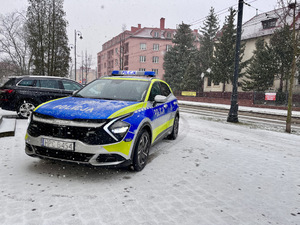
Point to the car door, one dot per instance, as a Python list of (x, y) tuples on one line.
[(160, 112), (48, 89)]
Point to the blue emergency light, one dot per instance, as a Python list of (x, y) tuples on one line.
[(136, 73)]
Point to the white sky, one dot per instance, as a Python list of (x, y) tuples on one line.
[(100, 20)]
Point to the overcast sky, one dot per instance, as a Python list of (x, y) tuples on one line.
[(100, 20)]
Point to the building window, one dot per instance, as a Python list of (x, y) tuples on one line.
[(156, 34), (116, 50), (126, 60), (169, 35), (142, 58), (142, 69), (156, 71), (208, 82), (168, 47), (126, 48), (116, 62), (155, 59), (269, 23), (143, 46), (155, 47)]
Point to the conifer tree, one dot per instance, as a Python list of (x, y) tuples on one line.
[(192, 76), (281, 44), (48, 39), (207, 39), (179, 57), (262, 68), (223, 62)]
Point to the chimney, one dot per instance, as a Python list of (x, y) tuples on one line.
[(139, 26), (162, 23)]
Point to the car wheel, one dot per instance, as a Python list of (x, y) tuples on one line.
[(25, 108), (141, 150), (175, 129)]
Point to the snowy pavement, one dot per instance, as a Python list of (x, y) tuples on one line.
[(214, 174)]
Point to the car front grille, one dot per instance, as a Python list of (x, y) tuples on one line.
[(88, 135), (63, 155)]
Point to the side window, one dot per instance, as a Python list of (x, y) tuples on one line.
[(154, 91), (26, 83), (165, 90), (70, 86), (53, 84)]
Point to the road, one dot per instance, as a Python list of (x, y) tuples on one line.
[(261, 120), (214, 173)]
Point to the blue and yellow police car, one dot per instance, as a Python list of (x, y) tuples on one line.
[(113, 121)]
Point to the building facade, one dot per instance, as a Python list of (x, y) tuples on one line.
[(260, 26), (140, 49)]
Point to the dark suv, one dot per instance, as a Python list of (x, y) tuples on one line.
[(24, 93)]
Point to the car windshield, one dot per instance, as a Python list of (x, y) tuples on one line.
[(115, 89)]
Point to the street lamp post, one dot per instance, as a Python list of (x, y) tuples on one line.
[(233, 113), (77, 32)]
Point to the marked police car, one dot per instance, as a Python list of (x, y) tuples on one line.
[(112, 121)]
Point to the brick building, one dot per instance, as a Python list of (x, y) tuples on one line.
[(142, 49)]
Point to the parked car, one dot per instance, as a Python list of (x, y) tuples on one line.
[(112, 121), (23, 93)]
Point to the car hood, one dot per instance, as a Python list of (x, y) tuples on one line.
[(85, 108)]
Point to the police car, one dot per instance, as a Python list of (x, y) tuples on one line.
[(113, 121)]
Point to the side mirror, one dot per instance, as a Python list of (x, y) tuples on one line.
[(160, 99)]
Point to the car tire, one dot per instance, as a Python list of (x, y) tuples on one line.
[(175, 129), (25, 108), (141, 150)]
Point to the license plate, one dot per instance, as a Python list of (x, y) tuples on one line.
[(61, 145)]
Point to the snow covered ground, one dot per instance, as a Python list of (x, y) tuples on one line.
[(242, 108), (214, 173)]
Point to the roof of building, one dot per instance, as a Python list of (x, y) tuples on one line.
[(145, 32), (266, 23)]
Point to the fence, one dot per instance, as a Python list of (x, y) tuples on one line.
[(244, 98)]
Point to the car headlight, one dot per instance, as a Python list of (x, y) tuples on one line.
[(117, 129)]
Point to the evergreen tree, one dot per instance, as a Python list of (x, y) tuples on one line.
[(207, 39), (48, 39), (179, 57), (281, 44), (262, 68), (222, 69), (192, 76)]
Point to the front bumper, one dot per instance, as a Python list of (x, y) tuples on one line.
[(95, 155)]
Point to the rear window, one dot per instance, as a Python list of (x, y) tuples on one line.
[(10, 82)]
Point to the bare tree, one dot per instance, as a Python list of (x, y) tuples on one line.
[(87, 65), (15, 53), (122, 47)]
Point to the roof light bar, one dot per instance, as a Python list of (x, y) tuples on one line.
[(136, 73)]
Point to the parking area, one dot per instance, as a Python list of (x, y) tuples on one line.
[(214, 173)]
